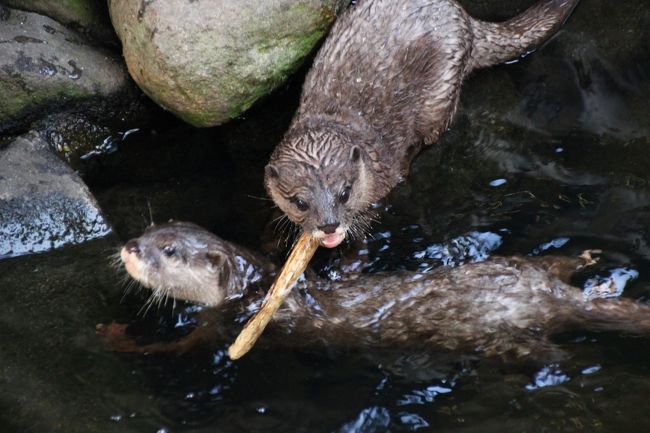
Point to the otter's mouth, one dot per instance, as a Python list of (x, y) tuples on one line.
[(330, 240)]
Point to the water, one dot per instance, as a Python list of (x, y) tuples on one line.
[(548, 155)]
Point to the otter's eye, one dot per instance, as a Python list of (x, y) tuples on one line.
[(345, 195), (299, 203), (169, 250)]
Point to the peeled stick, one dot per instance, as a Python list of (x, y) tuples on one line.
[(298, 260)]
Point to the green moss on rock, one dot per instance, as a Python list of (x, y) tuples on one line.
[(44, 65), (243, 52)]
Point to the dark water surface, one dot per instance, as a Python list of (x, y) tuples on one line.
[(550, 154)]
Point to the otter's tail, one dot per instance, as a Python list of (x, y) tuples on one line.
[(621, 314), (498, 42)]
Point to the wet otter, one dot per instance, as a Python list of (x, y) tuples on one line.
[(503, 307), (386, 82)]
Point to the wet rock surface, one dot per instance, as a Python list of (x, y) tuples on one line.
[(88, 130), (43, 203), (87, 16), (46, 67), (207, 62)]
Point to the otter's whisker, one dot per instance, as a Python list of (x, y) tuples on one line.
[(294, 235), (287, 230), (146, 305), (151, 223), (163, 300), (283, 224), (115, 261), (360, 227), (130, 286), (277, 220), (259, 198)]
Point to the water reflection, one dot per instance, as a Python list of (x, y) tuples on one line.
[(370, 420), (611, 286), (554, 243), (550, 375), (422, 396), (473, 247)]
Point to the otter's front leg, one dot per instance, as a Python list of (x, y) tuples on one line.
[(117, 340), (564, 267)]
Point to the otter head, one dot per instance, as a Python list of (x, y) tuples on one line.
[(181, 260), (320, 181)]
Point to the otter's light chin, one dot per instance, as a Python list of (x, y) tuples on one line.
[(330, 240)]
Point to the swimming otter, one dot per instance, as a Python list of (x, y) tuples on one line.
[(386, 82), (503, 307)]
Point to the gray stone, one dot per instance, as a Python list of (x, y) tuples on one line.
[(45, 67), (43, 203), (208, 61), (87, 16)]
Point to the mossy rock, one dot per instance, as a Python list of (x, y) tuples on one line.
[(45, 66), (208, 62)]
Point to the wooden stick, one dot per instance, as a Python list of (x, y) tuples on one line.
[(298, 260)]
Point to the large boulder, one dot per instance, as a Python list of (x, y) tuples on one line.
[(87, 16), (208, 61), (47, 67), (43, 203)]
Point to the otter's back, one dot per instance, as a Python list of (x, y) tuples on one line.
[(386, 61)]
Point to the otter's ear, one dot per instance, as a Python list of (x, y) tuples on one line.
[(271, 171), (215, 259), (219, 263), (355, 154)]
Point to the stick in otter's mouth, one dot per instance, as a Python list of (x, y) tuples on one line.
[(294, 267)]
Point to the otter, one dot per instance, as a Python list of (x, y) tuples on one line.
[(385, 83), (504, 307)]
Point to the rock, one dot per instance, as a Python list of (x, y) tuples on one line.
[(43, 203), (209, 61), (89, 131), (46, 67), (87, 16)]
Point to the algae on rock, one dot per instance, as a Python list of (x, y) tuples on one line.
[(207, 62), (46, 66)]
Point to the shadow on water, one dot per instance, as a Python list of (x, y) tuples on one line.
[(546, 155)]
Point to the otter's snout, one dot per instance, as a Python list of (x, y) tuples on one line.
[(329, 228), (130, 257), (330, 235), (132, 247)]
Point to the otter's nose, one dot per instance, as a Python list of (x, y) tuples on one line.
[(132, 247), (329, 228)]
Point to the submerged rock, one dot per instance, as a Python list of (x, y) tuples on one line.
[(208, 62), (45, 66), (43, 203)]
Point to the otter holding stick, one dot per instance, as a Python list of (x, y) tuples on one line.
[(385, 82), (505, 307)]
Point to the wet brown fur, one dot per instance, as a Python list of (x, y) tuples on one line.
[(386, 82), (505, 307)]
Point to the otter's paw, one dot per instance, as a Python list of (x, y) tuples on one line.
[(587, 256), (115, 338)]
